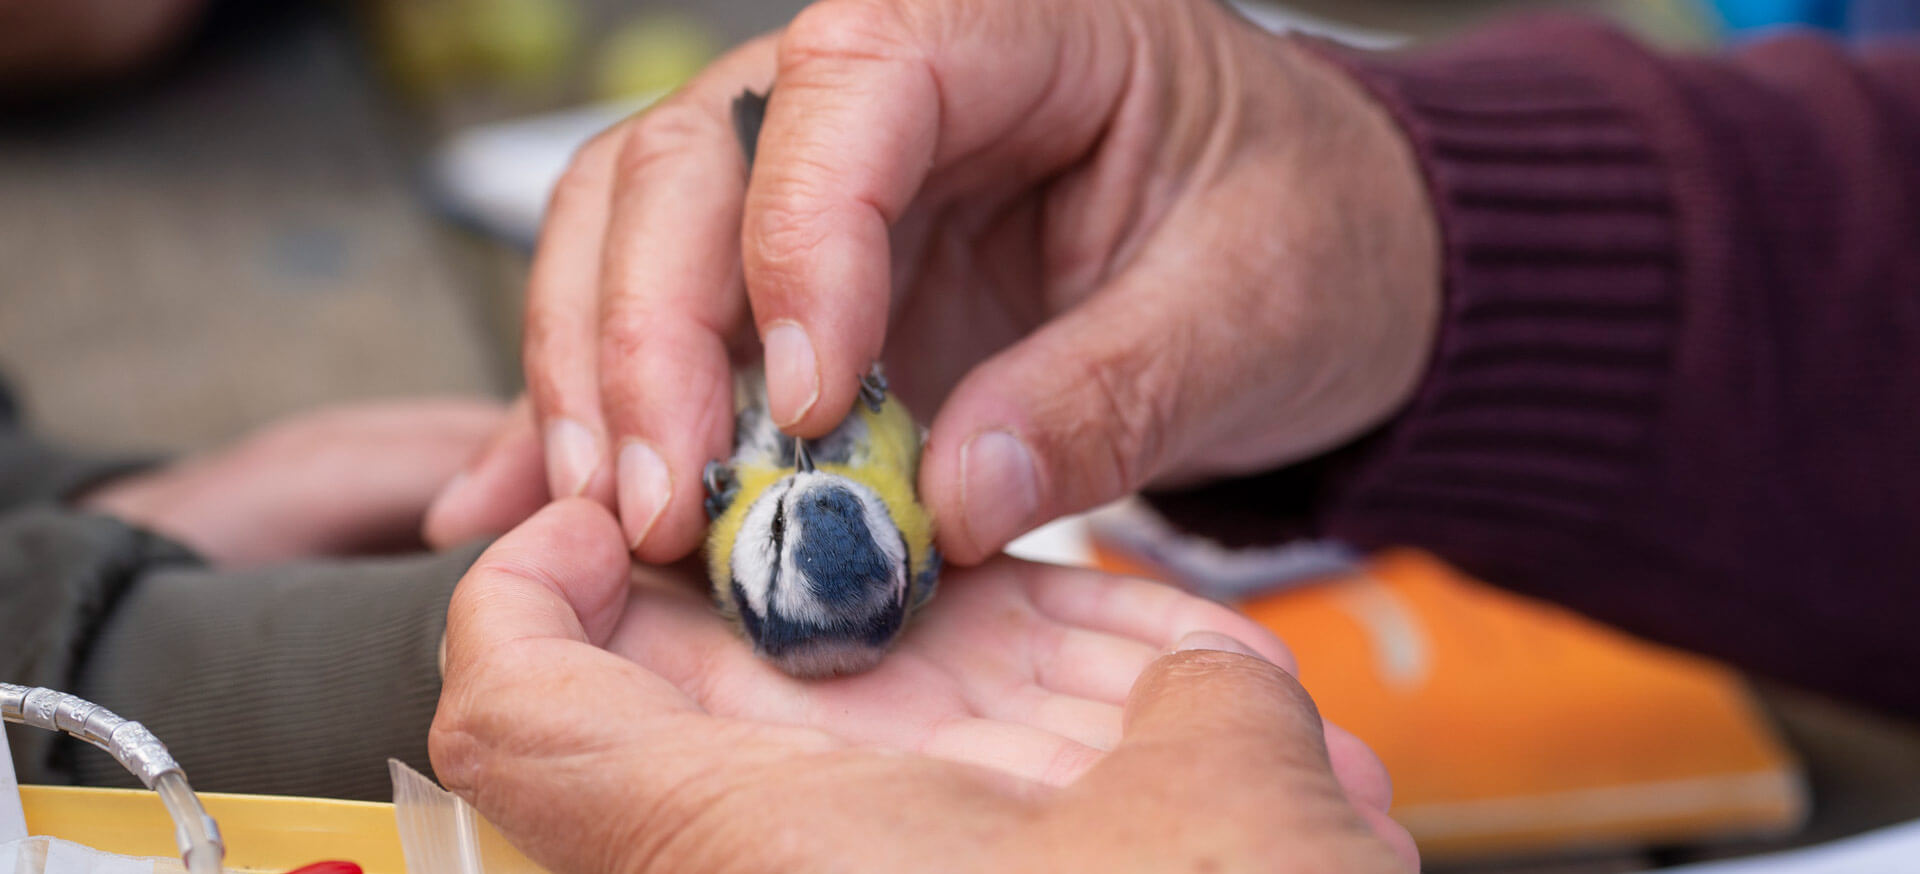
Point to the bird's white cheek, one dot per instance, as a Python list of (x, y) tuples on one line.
[(754, 558), (794, 596)]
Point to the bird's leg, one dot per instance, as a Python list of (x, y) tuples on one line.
[(873, 387), (721, 487)]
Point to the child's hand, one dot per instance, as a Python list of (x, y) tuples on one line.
[(341, 481)]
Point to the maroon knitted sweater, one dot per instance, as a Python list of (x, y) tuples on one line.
[(1677, 384)]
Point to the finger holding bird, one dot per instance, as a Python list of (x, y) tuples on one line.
[(819, 550)]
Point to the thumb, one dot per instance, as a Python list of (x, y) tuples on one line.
[(1081, 412), (1217, 693), (1222, 734)]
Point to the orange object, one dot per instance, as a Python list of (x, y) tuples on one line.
[(1513, 726)]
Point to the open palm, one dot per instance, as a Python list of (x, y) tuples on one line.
[(1017, 666), (656, 741)]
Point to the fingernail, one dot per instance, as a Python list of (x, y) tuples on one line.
[(1214, 640), (792, 371), (645, 487), (572, 458), (1000, 488)]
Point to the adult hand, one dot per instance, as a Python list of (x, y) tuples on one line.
[(590, 761), (347, 480), (1018, 666), (1110, 240)]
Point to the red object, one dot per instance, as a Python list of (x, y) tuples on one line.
[(331, 866)]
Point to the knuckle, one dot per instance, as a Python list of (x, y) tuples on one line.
[(782, 235), (623, 335), (673, 129), (462, 735), (583, 179), (1133, 412), (453, 751), (840, 30)]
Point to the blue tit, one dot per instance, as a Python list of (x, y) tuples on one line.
[(818, 553), (819, 550)]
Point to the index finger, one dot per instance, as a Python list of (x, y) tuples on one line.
[(872, 99), (669, 301), (847, 138)]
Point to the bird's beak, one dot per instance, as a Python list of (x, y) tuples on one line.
[(801, 459)]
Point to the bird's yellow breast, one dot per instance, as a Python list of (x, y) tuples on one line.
[(888, 462)]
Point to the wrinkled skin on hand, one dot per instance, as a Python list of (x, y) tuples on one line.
[(1106, 242), (611, 727), (1110, 242)]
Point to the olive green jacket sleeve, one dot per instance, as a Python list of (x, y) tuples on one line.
[(33, 472), (298, 679)]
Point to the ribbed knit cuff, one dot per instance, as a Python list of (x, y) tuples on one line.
[(1562, 273)]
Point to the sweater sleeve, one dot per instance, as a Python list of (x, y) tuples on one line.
[(31, 471), (296, 679), (62, 574), (1677, 385), (299, 679)]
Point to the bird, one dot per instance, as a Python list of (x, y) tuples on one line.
[(820, 550), (818, 553)]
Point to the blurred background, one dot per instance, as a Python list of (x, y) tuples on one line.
[(258, 223), (300, 203)]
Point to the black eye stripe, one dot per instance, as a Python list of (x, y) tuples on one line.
[(779, 539)]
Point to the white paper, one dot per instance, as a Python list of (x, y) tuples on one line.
[(1891, 850), (1062, 542), (9, 855), (13, 818), (70, 858), (499, 175)]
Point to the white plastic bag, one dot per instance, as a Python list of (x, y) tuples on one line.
[(44, 855), (441, 834)]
